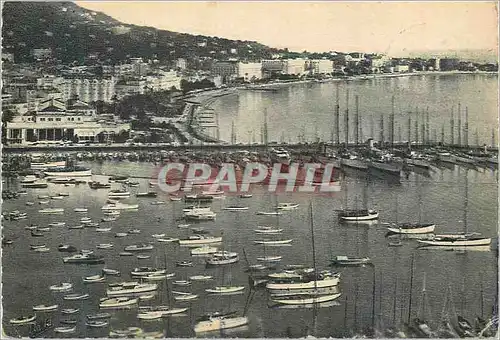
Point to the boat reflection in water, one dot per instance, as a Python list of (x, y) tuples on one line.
[(485, 248)]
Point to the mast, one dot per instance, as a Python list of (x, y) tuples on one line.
[(459, 126), (372, 126), (427, 125), (347, 119), (337, 117), (313, 246), (411, 286), (466, 203), (416, 125), (266, 140), (452, 128), (381, 129), (399, 133), (477, 137), (356, 120), (493, 139), (409, 127), (392, 122), (466, 127), (394, 303), (218, 125), (442, 134)]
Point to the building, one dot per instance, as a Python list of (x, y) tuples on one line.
[(163, 80), (41, 53), (320, 66), (56, 120), (285, 66), (181, 63), (89, 88), (249, 71), (227, 70), (131, 86), (50, 82), (401, 68), (448, 64)]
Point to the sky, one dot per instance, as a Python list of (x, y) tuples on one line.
[(385, 27)]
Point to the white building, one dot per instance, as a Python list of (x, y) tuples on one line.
[(89, 89), (286, 66), (320, 66), (181, 63), (249, 71), (57, 121), (401, 68), (163, 80)]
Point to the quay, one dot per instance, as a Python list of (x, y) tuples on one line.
[(210, 147)]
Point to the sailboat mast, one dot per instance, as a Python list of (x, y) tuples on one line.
[(347, 119), (392, 122), (427, 125), (442, 134), (411, 286), (394, 303), (313, 246), (459, 126), (337, 116), (416, 125), (356, 132), (409, 127), (452, 128), (466, 127), (381, 137), (466, 203)]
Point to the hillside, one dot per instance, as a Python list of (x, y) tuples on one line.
[(73, 32)]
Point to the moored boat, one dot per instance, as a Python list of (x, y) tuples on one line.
[(358, 215), (225, 289), (350, 261), (217, 323), (23, 320), (69, 171), (119, 302), (412, 228), (304, 300)]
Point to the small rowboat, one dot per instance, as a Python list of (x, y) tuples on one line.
[(153, 315), (23, 320), (158, 235), (201, 278), (80, 210), (44, 308), (143, 257), (76, 227), (96, 323), (269, 258), (108, 219), (125, 253), (69, 322), (181, 283), (62, 287), (121, 234), (65, 329), (68, 311), (98, 316), (184, 264), (103, 230), (185, 297), (158, 277), (235, 208), (271, 213), (109, 271), (273, 242), (94, 279), (104, 246), (225, 289), (41, 250), (57, 224), (76, 296), (168, 239)]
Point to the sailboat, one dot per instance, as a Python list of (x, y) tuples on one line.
[(357, 215), (464, 239), (420, 322), (303, 290), (412, 228)]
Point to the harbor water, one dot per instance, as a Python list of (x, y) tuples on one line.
[(377, 295)]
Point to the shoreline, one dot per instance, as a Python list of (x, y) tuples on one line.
[(203, 100)]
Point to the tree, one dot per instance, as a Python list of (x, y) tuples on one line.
[(7, 116)]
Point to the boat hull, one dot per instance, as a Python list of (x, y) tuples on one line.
[(424, 229), (333, 281), (82, 173), (218, 324), (306, 301), (456, 243)]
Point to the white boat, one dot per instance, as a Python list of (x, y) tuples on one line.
[(76, 296), (43, 166), (85, 220), (23, 320), (416, 228), (200, 216), (269, 258), (343, 260), (65, 329), (43, 202), (94, 279), (287, 206), (153, 315), (30, 203), (120, 206), (62, 287), (121, 234), (109, 271), (76, 227), (57, 224), (197, 240), (158, 235), (212, 193), (103, 230), (114, 194), (456, 242), (134, 231), (273, 242), (196, 209), (158, 277), (112, 213), (45, 308), (137, 289), (225, 289), (139, 247), (145, 271), (185, 297), (270, 213), (221, 258), (104, 246), (28, 179), (108, 219), (125, 253), (68, 311), (306, 282), (268, 230), (118, 302), (80, 210), (246, 195), (174, 311), (96, 323), (181, 283), (217, 323), (175, 199), (168, 239), (41, 250), (51, 211), (143, 257), (201, 278), (73, 171), (56, 197), (205, 250), (99, 316), (295, 300), (358, 215), (235, 208)]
